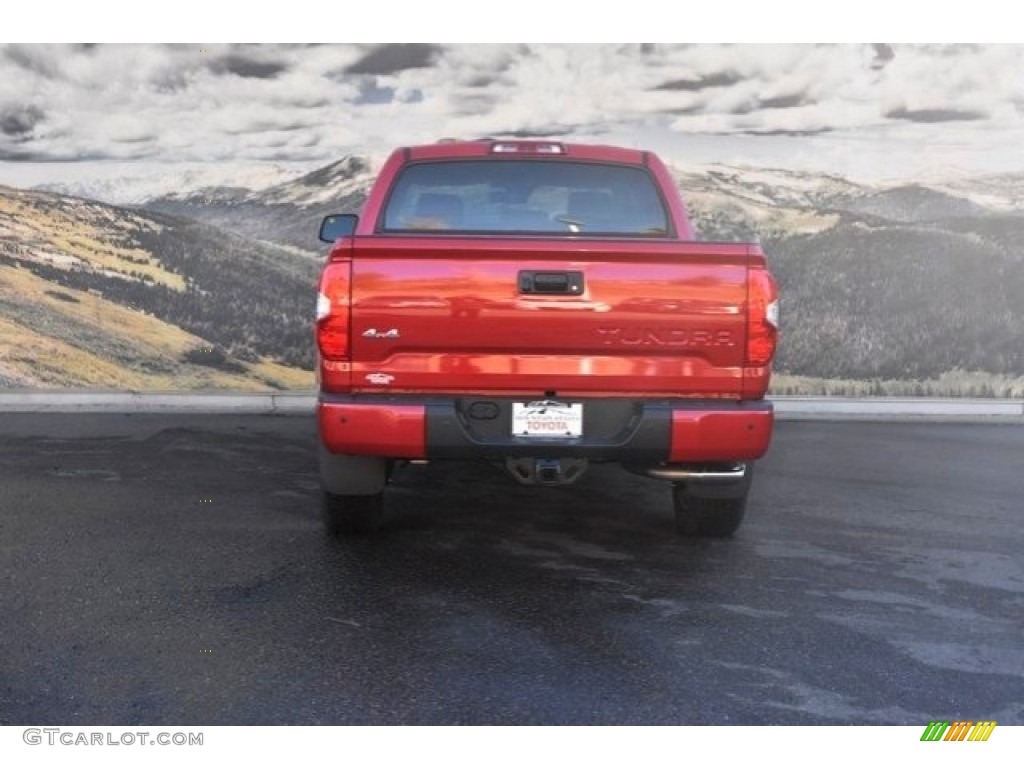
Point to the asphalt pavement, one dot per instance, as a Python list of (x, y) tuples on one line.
[(171, 569)]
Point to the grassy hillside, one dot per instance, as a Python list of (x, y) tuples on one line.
[(97, 296), (898, 302)]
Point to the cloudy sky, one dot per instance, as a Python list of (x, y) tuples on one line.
[(867, 111)]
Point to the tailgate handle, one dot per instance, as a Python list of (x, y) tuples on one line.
[(551, 282)]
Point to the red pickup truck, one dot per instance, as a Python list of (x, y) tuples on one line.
[(543, 305)]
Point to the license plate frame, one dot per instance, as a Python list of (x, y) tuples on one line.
[(547, 419)]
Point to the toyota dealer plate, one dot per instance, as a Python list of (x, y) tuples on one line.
[(545, 418)]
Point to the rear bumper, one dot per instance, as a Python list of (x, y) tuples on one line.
[(638, 432)]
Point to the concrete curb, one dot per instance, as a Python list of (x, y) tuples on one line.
[(897, 409), (80, 401), (786, 408)]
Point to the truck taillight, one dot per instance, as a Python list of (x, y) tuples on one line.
[(333, 312), (762, 319), (323, 306)]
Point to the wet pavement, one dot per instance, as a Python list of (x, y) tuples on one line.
[(172, 570)]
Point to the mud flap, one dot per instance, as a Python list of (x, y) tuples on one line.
[(346, 475)]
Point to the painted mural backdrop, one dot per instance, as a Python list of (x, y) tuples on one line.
[(159, 204)]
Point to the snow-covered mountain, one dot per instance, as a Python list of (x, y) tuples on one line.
[(1000, 192), (741, 187), (287, 213), (730, 202), (340, 180), (762, 193), (726, 202), (136, 187), (768, 186)]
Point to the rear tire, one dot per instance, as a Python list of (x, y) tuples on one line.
[(352, 515), (707, 518)]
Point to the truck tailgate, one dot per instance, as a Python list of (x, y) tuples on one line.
[(532, 316)]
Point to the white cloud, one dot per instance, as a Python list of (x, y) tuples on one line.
[(199, 103)]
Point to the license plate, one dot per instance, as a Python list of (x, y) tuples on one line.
[(544, 418)]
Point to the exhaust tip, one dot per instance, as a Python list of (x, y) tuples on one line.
[(717, 474)]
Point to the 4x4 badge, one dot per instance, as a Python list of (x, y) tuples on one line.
[(373, 333)]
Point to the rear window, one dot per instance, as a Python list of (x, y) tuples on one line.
[(529, 197)]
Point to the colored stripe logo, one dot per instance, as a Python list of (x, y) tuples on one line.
[(960, 730)]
